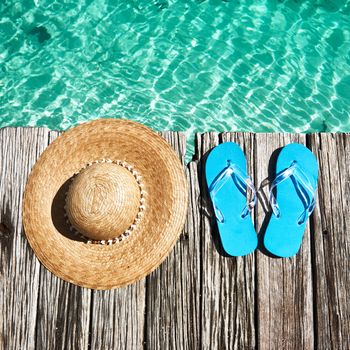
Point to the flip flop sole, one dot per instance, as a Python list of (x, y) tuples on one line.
[(237, 234), (283, 236)]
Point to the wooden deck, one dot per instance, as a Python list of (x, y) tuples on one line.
[(197, 299)]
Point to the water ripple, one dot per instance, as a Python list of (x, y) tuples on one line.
[(270, 65)]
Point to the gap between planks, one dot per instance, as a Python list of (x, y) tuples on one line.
[(208, 310)]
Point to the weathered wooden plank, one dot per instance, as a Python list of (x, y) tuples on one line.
[(197, 298), (173, 290), (63, 314), (284, 286), (331, 241), (19, 269), (228, 284), (117, 318), (63, 309)]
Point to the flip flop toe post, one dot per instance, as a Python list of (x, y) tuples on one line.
[(295, 185), (227, 180)]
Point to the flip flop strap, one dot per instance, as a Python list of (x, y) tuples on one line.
[(303, 187), (243, 181)]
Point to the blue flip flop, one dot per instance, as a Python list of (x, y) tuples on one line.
[(295, 184), (227, 181)]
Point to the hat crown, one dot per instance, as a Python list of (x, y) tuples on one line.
[(103, 201)]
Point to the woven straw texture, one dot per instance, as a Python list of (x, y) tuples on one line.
[(105, 266), (99, 197)]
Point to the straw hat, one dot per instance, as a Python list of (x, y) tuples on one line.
[(105, 203)]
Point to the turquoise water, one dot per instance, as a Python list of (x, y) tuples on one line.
[(189, 65)]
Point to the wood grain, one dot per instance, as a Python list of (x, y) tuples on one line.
[(19, 269), (228, 283), (198, 298), (117, 318), (331, 238), (63, 314), (172, 318), (284, 286)]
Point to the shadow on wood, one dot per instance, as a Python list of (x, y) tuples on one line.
[(207, 209), (265, 204)]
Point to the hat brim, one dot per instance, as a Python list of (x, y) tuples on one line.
[(119, 264)]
